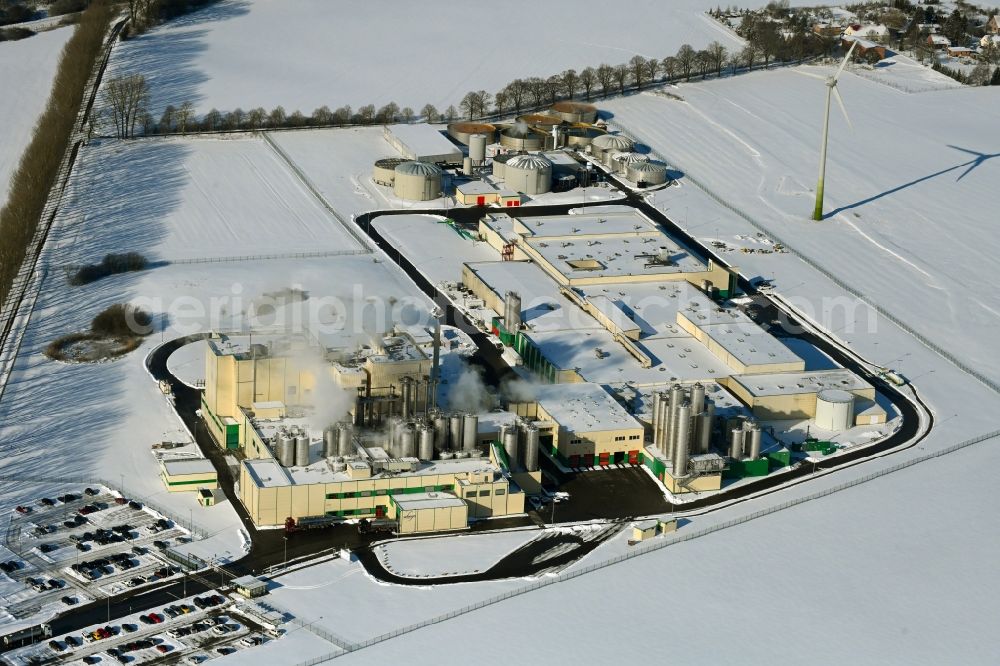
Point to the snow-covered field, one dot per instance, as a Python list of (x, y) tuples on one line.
[(451, 556), (910, 206), (240, 52), (26, 70)]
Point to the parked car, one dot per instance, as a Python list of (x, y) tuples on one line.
[(134, 505), (47, 501), (48, 547), (23, 509), (164, 648), (56, 645), (91, 492), (120, 500), (69, 601), (226, 649), (91, 659)]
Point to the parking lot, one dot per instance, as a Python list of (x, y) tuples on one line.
[(191, 631), (86, 544)]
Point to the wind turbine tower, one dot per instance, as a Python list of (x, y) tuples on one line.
[(831, 90)]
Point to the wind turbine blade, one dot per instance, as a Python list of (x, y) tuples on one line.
[(844, 63), (843, 109)]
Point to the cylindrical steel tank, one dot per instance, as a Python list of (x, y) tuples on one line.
[(676, 400), (834, 410), (683, 445), (698, 398), (477, 148), (441, 431), (345, 441), (581, 136), (407, 441), (542, 121), (302, 450), (426, 447), (330, 436), (521, 137), (647, 173), (655, 417), (610, 143), (664, 428), (530, 461), (705, 423), (417, 181), (384, 171), (470, 432), (499, 162), (407, 397), (463, 132), (455, 432), (285, 450), (508, 435), (622, 161), (575, 112), (755, 442), (736, 443), (531, 174), (467, 166)]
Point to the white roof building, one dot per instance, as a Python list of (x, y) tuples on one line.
[(422, 142)]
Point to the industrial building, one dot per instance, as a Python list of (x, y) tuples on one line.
[(421, 142), (391, 439), (186, 474), (836, 399), (481, 193)]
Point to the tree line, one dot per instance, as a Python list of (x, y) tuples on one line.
[(126, 97), (36, 172)]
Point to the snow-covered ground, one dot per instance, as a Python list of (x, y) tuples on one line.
[(451, 556), (26, 70), (437, 250), (910, 207), (239, 53)]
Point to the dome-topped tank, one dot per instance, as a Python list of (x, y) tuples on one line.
[(621, 161), (611, 143), (531, 174), (647, 173), (417, 181)]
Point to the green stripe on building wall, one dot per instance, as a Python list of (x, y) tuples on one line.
[(188, 483)]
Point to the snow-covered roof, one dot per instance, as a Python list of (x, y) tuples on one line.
[(794, 383), (529, 162), (195, 466), (422, 142), (434, 500), (584, 408), (612, 142), (476, 187), (414, 168)]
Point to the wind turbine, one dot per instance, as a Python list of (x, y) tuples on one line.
[(831, 90)]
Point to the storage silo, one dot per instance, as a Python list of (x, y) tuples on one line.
[(531, 174), (417, 181), (575, 112), (302, 450), (610, 143), (384, 171), (698, 398), (834, 410), (512, 312), (407, 441), (345, 440), (285, 450), (508, 437), (736, 443), (531, 438), (470, 432), (425, 449), (655, 417), (683, 445), (705, 431), (647, 173), (755, 435), (477, 149), (441, 431), (330, 436), (455, 432), (622, 161)]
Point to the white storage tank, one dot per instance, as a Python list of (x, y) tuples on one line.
[(609, 143), (647, 173), (384, 171), (531, 174), (834, 410), (499, 162), (575, 112), (477, 148), (622, 161), (417, 181)]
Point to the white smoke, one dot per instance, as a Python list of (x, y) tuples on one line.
[(469, 393), (328, 402), (519, 390)]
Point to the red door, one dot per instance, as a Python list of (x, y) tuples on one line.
[(574, 461), (481, 201), (633, 457), (605, 459)]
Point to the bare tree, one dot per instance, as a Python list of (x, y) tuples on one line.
[(323, 115), (407, 114), (277, 116), (638, 70), (748, 55), (212, 120), (652, 69), (429, 112), (703, 61), (733, 63), (621, 76), (570, 83), (606, 77), (297, 119), (670, 67), (388, 113), (234, 119), (588, 79), (717, 52), (366, 114), (184, 115), (343, 115), (468, 104), (256, 117), (450, 113), (553, 86), (537, 90), (126, 97), (483, 102), (168, 118), (686, 57), (500, 100), (517, 91)]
